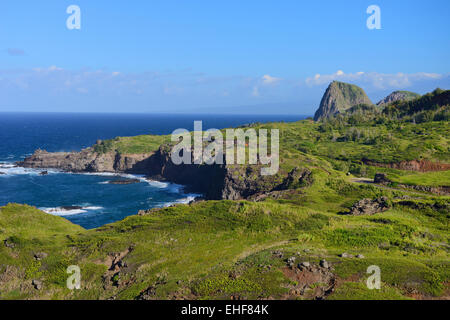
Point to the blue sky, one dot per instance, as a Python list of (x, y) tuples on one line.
[(216, 56)]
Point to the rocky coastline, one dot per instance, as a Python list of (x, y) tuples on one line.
[(214, 182)]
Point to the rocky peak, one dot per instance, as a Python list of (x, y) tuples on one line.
[(339, 97), (398, 95)]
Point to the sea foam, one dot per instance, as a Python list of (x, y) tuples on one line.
[(61, 211)]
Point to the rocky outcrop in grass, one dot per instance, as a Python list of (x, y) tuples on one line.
[(369, 206)]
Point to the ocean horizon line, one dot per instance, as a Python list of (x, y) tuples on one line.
[(157, 113)]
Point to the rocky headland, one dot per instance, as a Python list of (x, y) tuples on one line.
[(215, 182)]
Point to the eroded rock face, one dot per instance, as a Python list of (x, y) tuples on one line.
[(297, 178), (241, 182), (87, 160), (413, 165), (369, 206), (339, 97), (216, 182)]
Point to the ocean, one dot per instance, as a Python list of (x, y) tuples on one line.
[(88, 199)]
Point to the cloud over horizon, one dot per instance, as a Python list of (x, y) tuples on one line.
[(57, 89), (377, 80)]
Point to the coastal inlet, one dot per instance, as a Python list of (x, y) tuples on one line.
[(87, 199)]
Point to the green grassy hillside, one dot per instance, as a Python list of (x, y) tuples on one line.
[(224, 249), (252, 249)]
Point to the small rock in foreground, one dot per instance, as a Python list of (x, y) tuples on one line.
[(324, 264), (304, 264), (40, 255), (37, 284)]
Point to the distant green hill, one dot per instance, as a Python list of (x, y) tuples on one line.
[(433, 106), (398, 96), (339, 97), (429, 107)]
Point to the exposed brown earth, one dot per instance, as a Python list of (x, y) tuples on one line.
[(413, 165), (311, 282)]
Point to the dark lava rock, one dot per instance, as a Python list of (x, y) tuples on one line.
[(369, 206), (124, 181), (2, 173), (297, 178), (43, 173), (381, 178)]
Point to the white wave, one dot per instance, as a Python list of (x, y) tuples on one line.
[(7, 165), (186, 200), (12, 170), (61, 211), (170, 187), (157, 184), (93, 208), (113, 174)]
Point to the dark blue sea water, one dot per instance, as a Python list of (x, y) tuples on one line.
[(100, 202)]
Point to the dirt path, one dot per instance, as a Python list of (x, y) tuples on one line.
[(258, 248)]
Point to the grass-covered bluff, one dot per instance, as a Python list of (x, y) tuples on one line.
[(223, 249), (250, 249)]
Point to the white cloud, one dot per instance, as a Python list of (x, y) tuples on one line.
[(184, 89), (377, 80), (266, 79), (54, 68)]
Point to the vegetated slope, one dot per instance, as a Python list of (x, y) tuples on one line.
[(432, 106), (398, 96), (238, 249), (293, 242), (339, 97)]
